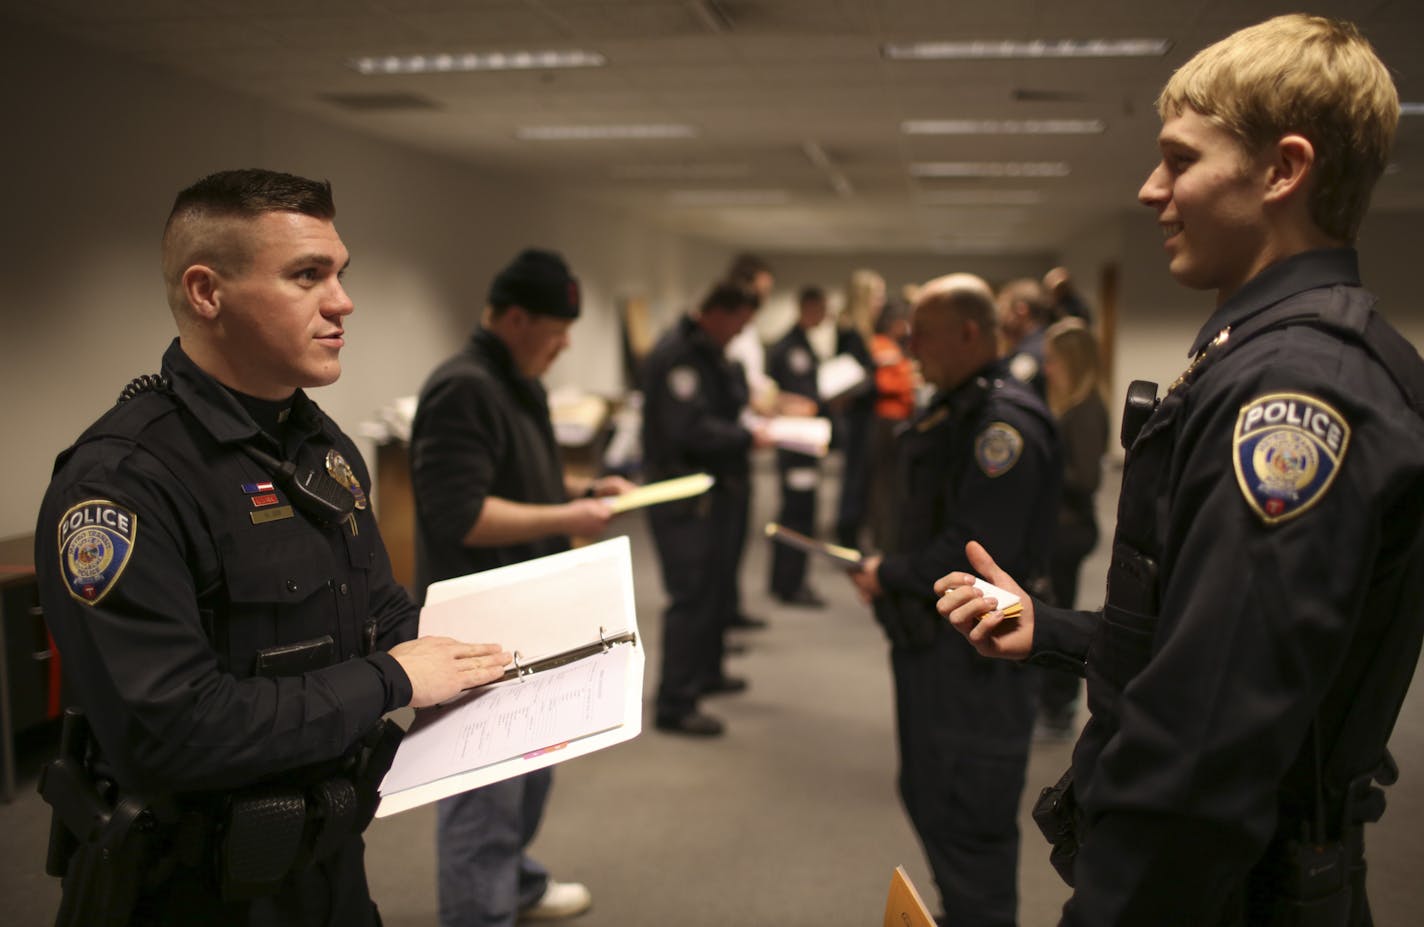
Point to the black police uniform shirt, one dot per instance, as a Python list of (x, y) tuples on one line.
[(1278, 489), (693, 400), (481, 429), (1026, 363), (792, 363), (979, 462), (167, 558)]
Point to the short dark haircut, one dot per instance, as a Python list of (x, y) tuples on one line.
[(204, 225), (728, 297), (810, 294), (252, 191), (745, 268)]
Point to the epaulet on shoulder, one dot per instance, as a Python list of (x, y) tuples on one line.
[(143, 401), (1023, 396)]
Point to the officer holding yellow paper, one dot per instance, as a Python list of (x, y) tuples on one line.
[(212, 573), (1265, 600)]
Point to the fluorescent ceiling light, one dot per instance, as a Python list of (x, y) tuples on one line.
[(681, 171), (728, 197), (1036, 48), (599, 132), (1411, 109), (818, 157), (989, 169), (981, 198), (1003, 126), (477, 61)]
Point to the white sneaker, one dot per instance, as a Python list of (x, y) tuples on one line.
[(560, 899)]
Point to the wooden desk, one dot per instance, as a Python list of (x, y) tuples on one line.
[(25, 657)]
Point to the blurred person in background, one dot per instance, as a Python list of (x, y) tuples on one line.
[(793, 364), (1024, 313), (1070, 368), (855, 328), (896, 382)]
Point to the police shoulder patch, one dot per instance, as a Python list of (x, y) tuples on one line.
[(998, 448), (1287, 449), (96, 539), (1024, 367), (683, 382)]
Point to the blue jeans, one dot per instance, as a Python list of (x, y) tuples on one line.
[(485, 877)]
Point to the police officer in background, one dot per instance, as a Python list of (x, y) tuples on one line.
[(980, 460), (694, 397), (490, 490), (793, 364), (1265, 600), (1024, 313), (211, 571)]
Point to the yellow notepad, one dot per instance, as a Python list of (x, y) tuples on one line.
[(682, 487)]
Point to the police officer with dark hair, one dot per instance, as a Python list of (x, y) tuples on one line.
[(981, 459), (490, 491), (793, 364), (691, 423), (1265, 600), (212, 573)]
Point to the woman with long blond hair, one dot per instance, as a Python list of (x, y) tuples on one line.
[(865, 297), (1072, 377)]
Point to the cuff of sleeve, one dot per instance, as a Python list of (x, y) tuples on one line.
[(1061, 637), (396, 684), (895, 576)]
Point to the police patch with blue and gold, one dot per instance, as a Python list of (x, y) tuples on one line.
[(998, 448), (1287, 450), (96, 539)]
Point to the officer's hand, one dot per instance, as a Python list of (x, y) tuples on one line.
[(612, 486), (978, 618), (587, 518), (440, 668), (761, 435), (793, 404), (866, 578)]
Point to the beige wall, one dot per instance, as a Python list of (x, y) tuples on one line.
[(92, 168), (93, 161)]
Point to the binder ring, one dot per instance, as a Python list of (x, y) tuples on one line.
[(519, 670), (603, 639)]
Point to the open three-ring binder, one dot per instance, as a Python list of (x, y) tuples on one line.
[(575, 685)]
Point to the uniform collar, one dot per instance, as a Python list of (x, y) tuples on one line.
[(699, 338), (217, 410), (1308, 270), (973, 385)]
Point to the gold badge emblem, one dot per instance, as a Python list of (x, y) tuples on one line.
[(340, 471)]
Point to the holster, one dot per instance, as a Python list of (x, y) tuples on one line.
[(102, 846), (1057, 816)]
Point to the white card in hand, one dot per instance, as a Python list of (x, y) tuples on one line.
[(1008, 602)]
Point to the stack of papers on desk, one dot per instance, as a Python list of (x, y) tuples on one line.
[(576, 687)]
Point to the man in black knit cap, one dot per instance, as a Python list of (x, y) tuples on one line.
[(490, 491)]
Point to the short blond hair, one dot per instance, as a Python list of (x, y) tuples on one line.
[(1305, 75)]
